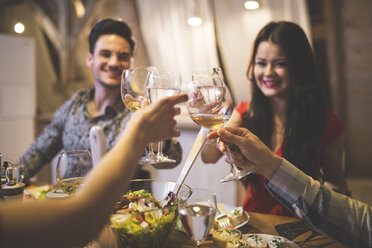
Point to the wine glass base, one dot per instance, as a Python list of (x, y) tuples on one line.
[(147, 160), (235, 176), (151, 160)]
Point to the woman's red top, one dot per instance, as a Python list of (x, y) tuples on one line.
[(258, 198)]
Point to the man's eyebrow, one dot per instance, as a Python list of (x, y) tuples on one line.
[(104, 50)]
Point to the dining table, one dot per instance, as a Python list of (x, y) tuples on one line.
[(291, 228)]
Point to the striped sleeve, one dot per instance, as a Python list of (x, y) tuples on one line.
[(335, 215)]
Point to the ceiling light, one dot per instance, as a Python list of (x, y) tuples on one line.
[(195, 18), (19, 28), (79, 8), (251, 5), (194, 21)]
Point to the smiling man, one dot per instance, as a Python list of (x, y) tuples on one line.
[(111, 48)]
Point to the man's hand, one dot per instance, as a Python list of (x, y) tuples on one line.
[(250, 153)]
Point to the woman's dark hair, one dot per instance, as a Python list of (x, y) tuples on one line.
[(110, 26), (305, 114)]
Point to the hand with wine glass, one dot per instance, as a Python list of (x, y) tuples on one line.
[(133, 92), (197, 214), (160, 85), (210, 105), (72, 168)]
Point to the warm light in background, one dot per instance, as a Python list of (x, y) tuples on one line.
[(194, 21), (251, 5), (19, 28), (79, 8)]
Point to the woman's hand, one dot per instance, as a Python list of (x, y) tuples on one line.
[(156, 121)]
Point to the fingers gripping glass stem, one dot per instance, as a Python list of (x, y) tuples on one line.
[(235, 173)]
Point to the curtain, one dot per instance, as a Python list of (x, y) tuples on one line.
[(172, 44)]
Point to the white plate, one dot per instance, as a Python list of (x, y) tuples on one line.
[(224, 208), (56, 193), (268, 238), (244, 222)]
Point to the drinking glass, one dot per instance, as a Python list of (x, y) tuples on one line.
[(197, 214), (210, 105), (133, 91), (72, 168), (160, 85)]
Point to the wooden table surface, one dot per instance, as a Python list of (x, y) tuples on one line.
[(291, 228)]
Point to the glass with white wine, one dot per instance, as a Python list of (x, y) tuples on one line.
[(133, 91), (160, 85), (197, 214), (210, 105), (72, 168)]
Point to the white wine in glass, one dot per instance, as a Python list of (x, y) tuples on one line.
[(210, 105), (197, 214), (133, 91), (160, 85)]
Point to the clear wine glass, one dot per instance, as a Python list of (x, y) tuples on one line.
[(197, 214), (72, 168), (210, 105), (160, 85), (133, 91)]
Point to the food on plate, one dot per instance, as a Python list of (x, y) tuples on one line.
[(222, 236), (37, 193), (278, 242), (141, 221), (237, 216), (237, 244), (256, 241)]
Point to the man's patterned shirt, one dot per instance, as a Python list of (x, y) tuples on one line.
[(69, 130)]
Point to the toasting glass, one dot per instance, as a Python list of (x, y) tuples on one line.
[(133, 91), (210, 105), (160, 85)]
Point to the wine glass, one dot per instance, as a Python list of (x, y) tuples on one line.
[(133, 91), (210, 105), (72, 168), (160, 85), (197, 214)]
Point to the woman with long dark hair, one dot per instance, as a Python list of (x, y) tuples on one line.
[(288, 112)]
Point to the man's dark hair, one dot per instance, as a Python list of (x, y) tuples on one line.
[(110, 26)]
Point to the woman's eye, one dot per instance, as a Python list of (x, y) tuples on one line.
[(280, 64), (260, 63), (124, 56)]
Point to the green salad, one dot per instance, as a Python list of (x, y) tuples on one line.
[(140, 220)]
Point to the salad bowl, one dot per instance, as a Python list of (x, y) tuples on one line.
[(146, 215)]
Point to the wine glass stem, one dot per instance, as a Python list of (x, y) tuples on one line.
[(235, 168), (150, 150), (160, 149)]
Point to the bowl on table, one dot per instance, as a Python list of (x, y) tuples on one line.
[(147, 223)]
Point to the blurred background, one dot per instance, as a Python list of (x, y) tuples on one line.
[(43, 49)]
